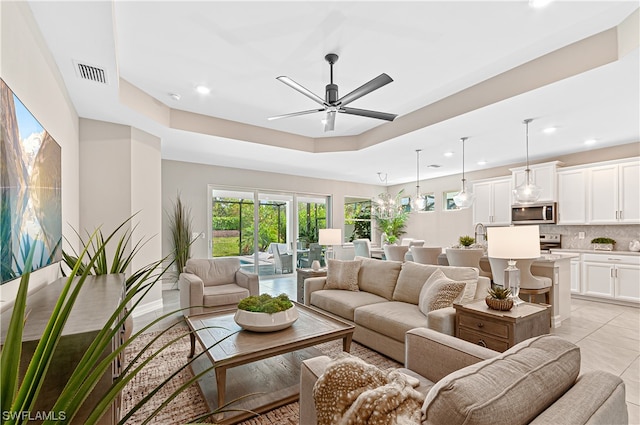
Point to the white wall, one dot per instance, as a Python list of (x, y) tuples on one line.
[(191, 181), (29, 70), (120, 176)]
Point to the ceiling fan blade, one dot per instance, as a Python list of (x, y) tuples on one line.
[(295, 114), (330, 121), (376, 83), (288, 81), (368, 113)]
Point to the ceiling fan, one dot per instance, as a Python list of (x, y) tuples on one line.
[(332, 104)]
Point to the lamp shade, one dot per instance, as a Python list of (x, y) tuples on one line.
[(513, 242), (330, 237)]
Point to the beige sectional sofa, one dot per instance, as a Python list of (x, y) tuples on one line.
[(386, 305), (537, 382)]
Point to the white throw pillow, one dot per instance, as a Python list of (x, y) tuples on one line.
[(342, 275), (439, 292)]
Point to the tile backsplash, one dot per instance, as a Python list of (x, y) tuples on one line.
[(622, 234)]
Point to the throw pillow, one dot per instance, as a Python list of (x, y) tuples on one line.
[(439, 292), (342, 275)]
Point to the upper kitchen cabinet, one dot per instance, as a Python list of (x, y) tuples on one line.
[(572, 196), (613, 194), (544, 176), (492, 206)]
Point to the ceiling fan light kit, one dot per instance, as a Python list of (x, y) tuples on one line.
[(332, 104)]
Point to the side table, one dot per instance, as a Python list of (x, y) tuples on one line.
[(305, 274), (500, 330)]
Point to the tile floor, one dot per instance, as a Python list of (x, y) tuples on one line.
[(608, 334)]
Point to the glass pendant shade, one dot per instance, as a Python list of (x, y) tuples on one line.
[(420, 202), (464, 198), (527, 192)]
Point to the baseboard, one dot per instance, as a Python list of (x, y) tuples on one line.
[(142, 309)]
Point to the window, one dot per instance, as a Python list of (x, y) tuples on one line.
[(357, 218), (448, 203)]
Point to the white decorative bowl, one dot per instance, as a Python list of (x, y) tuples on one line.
[(265, 322)]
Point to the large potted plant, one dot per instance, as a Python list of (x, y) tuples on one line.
[(180, 227), (20, 392)]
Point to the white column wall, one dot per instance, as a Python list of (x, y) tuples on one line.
[(119, 177)]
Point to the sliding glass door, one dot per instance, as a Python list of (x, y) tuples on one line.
[(268, 231)]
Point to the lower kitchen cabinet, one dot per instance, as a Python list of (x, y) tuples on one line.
[(611, 276)]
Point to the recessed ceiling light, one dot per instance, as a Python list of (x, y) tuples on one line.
[(448, 154), (482, 162), (590, 142), (175, 96), (538, 4), (203, 89), (549, 130)]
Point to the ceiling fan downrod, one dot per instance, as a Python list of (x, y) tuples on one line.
[(331, 90)]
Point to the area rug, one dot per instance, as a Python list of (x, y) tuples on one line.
[(190, 404)]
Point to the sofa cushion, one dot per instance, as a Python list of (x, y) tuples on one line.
[(223, 294), (378, 277), (343, 303), (512, 388), (414, 275), (439, 292), (392, 318), (218, 271), (342, 274)]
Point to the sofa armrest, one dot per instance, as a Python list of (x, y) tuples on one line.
[(191, 293), (484, 283), (312, 284), (248, 280), (443, 320), (597, 397), (310, 370), (434, 355)]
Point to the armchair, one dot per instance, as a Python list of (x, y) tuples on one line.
[(362, 247), (315, 253), (283, 261), (214, 284)]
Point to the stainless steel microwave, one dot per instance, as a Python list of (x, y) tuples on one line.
[(534, 213)]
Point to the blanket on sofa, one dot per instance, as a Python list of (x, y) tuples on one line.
[(351, 391)]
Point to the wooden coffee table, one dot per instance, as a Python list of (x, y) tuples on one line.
[(265, 363)]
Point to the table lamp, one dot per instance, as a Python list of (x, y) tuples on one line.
[(513, 243), (330, 237)]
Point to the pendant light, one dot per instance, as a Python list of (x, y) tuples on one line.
[(420, 202), (527, 192), (464, 198)]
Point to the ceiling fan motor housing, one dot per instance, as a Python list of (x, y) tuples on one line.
[(331, 93)]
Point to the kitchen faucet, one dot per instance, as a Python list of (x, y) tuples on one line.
[(480, 230)]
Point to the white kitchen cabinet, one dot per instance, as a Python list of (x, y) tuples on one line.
[(493, 201), (613, 194), (572, 196), (575, 265), (611, 276), (544, 176)]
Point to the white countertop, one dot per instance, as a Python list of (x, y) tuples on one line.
[(591, 251)]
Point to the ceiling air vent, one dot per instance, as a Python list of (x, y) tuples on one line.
[(91, 73)]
